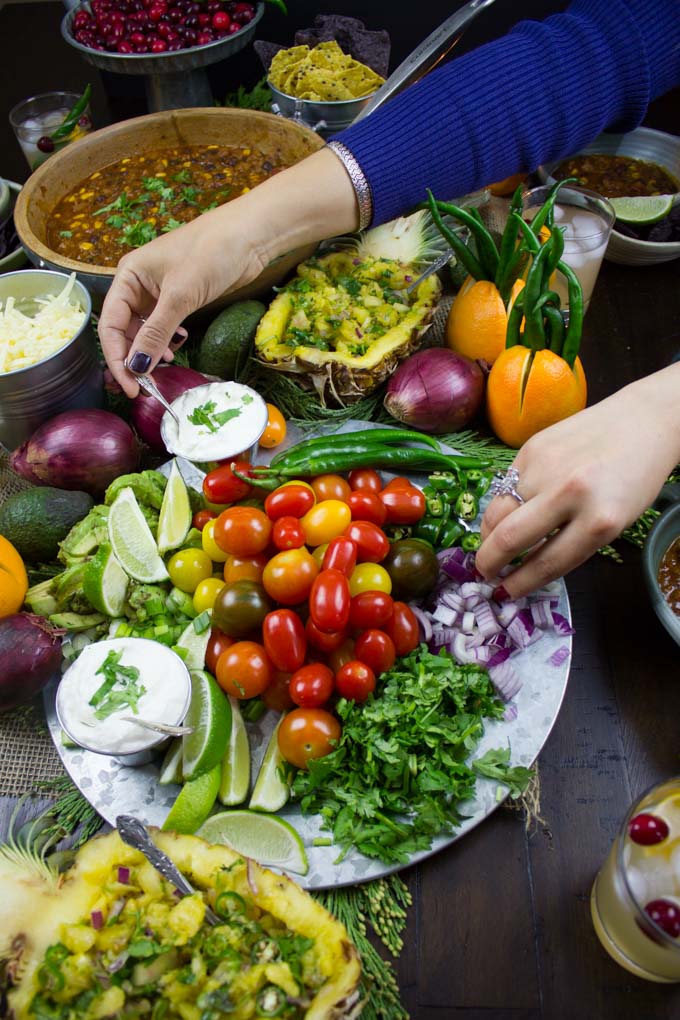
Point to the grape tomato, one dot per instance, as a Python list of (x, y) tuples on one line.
[(329, 601), (201, 518), (217, 643), (365, 480), (287, 533), (244, 568), (291, 500), (340, 554), (403, 628), (275, 429), (326, 520), (321, 641), (222, 486), (372, 543), (403, 505), (369, 577), (367, 506), (277, 695), (284, 638), (376, 649), (331, 487), (312, 686), (355, 681), (370, 609), (210, 545)]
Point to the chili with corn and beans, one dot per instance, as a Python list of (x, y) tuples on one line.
[(668, 576), (617, 176)]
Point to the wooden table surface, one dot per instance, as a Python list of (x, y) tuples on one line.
[(500, 928)]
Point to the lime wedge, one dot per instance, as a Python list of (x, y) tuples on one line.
[(210, 715), (171, 769), (195, 646), (270, 791), (174, 520), (642, 208), (194, 803), (268, 840), (236, 762), (105, 583), (133, 544)]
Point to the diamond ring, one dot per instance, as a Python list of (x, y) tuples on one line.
[(505, 483)]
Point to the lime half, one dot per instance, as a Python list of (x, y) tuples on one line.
[(105, 583), (174, 520), (642, 208), (268, 840), (270, 792), (132, 541), (194, 645), (236, 762), (210, 716), (194, 803)]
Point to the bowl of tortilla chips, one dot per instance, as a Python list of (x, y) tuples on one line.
[(320, 85)]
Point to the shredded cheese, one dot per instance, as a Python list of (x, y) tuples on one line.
[(28, 339)]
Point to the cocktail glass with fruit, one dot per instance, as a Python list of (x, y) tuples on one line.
[(635, 901), (36, 122)]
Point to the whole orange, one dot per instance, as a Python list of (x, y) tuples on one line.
[(528, 390), (478, 320), (13, 579), (508, 185)]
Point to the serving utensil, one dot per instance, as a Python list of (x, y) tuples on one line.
[(135, 834), (149, 386), (170, 731)]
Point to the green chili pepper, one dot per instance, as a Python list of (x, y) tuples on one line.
[(50, 974), (572, 339), (512, 333), (508, 242), (73, 116), (228, 903), (477, 481), (435, 506), (534, 332), (486, 247), (376, 456), (265, 950), (450, 534), (557, 250), (271, 1001), (429, 529), (466, 506), (471, 541), (253, 709), (461, 250), (555, 324), (384, 436), (445, 481)]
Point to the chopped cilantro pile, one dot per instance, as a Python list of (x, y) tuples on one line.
[(399, 774)]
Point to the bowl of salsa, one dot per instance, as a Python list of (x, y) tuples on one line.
[(661, 565)]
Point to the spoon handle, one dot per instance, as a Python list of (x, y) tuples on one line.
[(147, 384), (170, 731)]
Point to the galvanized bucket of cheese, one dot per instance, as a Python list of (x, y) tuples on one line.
[(71, 377)]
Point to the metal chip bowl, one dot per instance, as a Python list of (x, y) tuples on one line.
[(642, 143), (174, 80), (324, 117)]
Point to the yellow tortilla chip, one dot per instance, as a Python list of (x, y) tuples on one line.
[(322, 73)]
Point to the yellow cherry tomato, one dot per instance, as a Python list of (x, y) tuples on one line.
[(209, 544), (369, 577), (325, 521), (206, 593), (188, 567), (275, 431), (319, 553)]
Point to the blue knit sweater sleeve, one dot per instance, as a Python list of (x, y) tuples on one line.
[(538, 94)]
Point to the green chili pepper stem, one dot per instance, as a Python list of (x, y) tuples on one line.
[(269, 482), (555, 324), (461, 250), (73, 116), (572, 339), (486, 246)]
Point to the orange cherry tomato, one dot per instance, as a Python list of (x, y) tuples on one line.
[(275, 430), (342, 654), (244, 568), (288, 576), (242, 531), (306, 734), (244, 670), (331, 487)]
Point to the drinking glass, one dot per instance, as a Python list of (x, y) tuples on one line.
[(635, 900), (37, 117), (587, 219)]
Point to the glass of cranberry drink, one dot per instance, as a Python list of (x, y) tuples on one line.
[(635, 901), (35, 120)]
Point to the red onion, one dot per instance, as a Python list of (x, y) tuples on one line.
[(123, 875), (84, 450), (172, 381), (30, 655), (435, 391), (97, 919)]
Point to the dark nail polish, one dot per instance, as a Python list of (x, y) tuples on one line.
[(500, 594), (177, 339), (139, 362)]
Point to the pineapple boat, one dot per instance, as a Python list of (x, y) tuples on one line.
[(111, 937)]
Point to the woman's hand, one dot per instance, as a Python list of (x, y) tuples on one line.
[(583, 481)]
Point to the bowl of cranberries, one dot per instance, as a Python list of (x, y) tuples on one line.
[(150, 36)]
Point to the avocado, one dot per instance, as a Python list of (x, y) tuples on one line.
[(37, 520), (225, 348)]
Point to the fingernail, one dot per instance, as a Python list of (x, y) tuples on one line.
[(500, 594), (139, 362), (178, 337)]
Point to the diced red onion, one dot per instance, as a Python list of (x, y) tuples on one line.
[(445, 616), (460, 650), (505, 680), (97, 919), (123, 875), (250, 875), (559, 656), (541, 614), (118, 962), (507, 613), (486, 621), (468, 622), (562, 625), (510, 713), (452, 600), (424, 623)]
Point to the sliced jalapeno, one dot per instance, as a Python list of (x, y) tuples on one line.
[(228, 903), (271, 1000), (265, 951), (450, 534), (429, 528), (471, 541), (435, 506), (466, 506)]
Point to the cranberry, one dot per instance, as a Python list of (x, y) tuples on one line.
[(141, 47), (125, 46), (221, 21), (647, 829), (175, 45), (204, 20), (213, 6), (156, 12), (164, 30), (172, 36), (666, 914), (116, 18), (191, 21), (137, 39), (175, 14), (234, 28), (190, 37), (243, 12), (204, 37), (81, 20), (159, 46), (45, 144)]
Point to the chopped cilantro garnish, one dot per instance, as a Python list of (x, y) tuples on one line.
[(171, 224), (206, 415), (65, 233), (139, 234), (121, 687)]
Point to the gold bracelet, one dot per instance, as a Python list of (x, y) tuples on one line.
[(362, 189)]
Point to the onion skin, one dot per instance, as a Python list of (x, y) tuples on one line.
[(435, 391), (81, 449), (30, 655), (172, 381)]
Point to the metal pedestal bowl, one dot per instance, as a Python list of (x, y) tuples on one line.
[(173, 81)]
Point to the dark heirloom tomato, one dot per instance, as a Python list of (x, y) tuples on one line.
[(329, 601), (287, 533), (403, 505), (288, 576), (365, 480), (367, 506), (344, 653), (307, 733), (289, 501), (370, 609), (376, 649), (341, 554), (240, 608), (244, 568), (372, 543), (312, 686), (217, 643), (284, 639), (355, 681), (222, 485), (413, 566), (277, 696), (244, 670), (402, 627), (242, 531), (321, 641)]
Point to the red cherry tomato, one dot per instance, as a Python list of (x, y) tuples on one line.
[(355, 681), (398, 482), (372, 543), (365, 480), (370, 609), (329, 601), (242, 531), (312, 686), (244, 670), (321, 641), (288, 576), (201, 518), (367, 506), (284, 639), (331, 487), (308, 733), (289, 501), (376, 649), (403, 506), (222, 485), (287, 533), (403, 628), (344, 653), (218, 643), (277, 695), (341, 554)]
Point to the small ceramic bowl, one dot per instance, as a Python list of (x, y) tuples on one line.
[(642, 143), (660, 538), (16, 258)]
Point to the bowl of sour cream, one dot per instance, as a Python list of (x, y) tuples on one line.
[(214, 421), (113, 682)]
